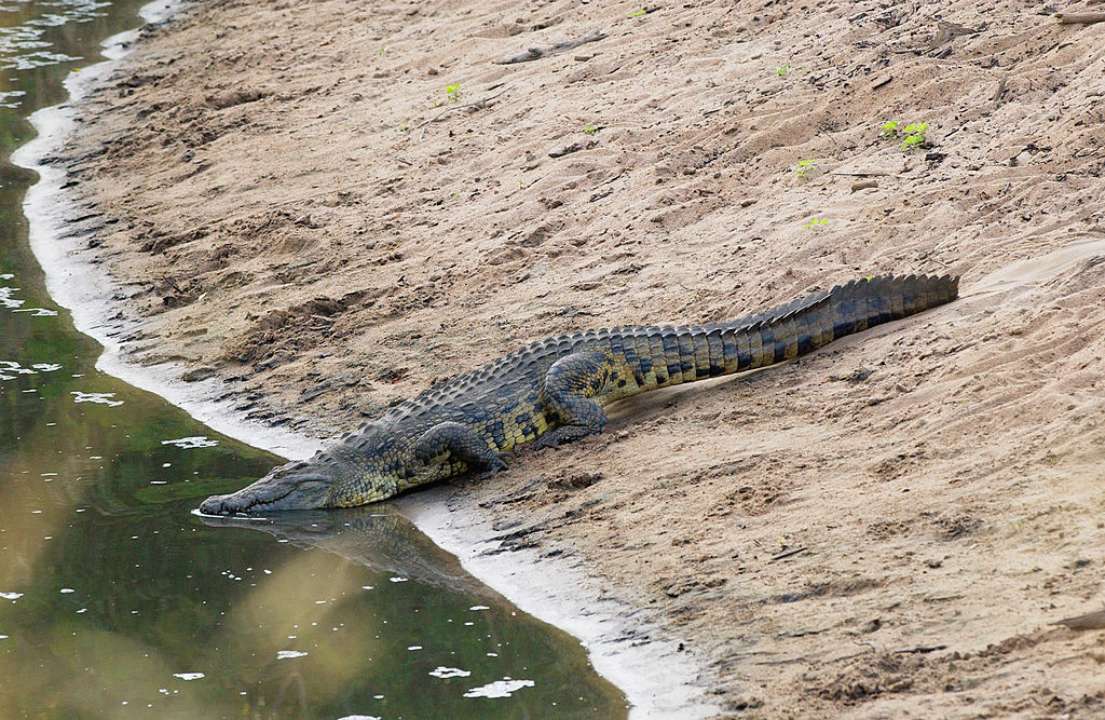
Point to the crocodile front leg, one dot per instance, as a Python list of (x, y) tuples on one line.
[(570, 386), (459, 443)]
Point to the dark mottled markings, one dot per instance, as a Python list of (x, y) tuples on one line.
[(671, 355), (755, 348), (779, 343), (910, 301), (767, 345), (807, 332), (862, 315), (701, 354), (498, 434), (644, 357), (897, 309), (656, 348), (717, 353), (843, 321), (686, 353), (744, 356), (728, 350), (617, 347), (879, 307)]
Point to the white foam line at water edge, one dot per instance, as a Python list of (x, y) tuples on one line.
[(76, 284), (658, 682)]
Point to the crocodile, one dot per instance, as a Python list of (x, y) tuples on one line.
[(554, 391)]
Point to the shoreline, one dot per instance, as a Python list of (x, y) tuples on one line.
[(78, 285), (891, 525), (656, 682)]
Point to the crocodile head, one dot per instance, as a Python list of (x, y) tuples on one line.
[(361, 469), (295, 486)]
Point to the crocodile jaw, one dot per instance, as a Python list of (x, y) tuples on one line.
[(295, 486)]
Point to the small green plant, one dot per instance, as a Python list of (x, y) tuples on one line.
[(639, 12), (590, 129), (815, 223), (452, 90), (804, 168), (915, 135), (782, 70), (913, 142)]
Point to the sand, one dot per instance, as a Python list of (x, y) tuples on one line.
[(292, 201)]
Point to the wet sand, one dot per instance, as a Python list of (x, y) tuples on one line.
[(292, 204)]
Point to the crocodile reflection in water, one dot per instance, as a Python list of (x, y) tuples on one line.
[(383, 542)]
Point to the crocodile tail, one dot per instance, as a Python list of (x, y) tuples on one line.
[(673, 355)]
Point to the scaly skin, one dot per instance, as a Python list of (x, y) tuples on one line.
[(554, 391)]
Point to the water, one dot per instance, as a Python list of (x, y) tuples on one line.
[(115, 601)]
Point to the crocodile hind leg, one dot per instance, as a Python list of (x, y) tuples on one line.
[(568, 395), (460, 443)]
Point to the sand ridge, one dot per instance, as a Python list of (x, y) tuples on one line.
[(297, 204)]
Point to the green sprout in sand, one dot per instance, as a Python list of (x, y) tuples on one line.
[(590, 129), (915, 136), (782, 70), (815, 223), (639, 12), (805, 167), (453, 91)]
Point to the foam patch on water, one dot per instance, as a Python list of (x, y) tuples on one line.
[(448, 672), (11, 369), (6, 299), (11, 595), (189, 676), (190, 443), (96, 398), (499, 689), (289, 654), (38, 312)]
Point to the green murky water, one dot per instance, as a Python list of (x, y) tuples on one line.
[(115, 601)]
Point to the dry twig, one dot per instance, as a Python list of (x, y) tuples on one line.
[(537, 53), (1080, 18)]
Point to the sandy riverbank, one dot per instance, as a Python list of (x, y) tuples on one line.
[(296, 206)]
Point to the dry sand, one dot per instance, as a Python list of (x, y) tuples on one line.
[(889, 528)]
